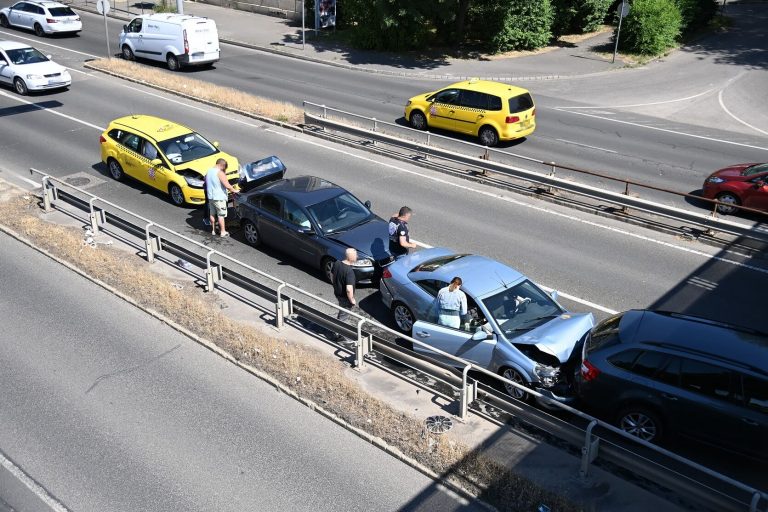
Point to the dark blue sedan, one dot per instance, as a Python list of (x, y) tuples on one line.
[(314, 221)]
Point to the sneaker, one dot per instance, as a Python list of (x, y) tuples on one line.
[(225, 234)]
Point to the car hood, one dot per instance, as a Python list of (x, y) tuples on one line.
[(558, 336), (371, 238), (733, 172), (38, 68), (203, 165), (421, 97)]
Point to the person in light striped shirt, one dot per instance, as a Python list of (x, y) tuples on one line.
[(451, 304)]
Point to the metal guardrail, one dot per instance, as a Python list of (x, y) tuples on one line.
[(691, 480), (623, 199)]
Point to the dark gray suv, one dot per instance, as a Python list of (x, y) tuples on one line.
[(657, 375)]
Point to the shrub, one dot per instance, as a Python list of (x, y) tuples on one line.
[(651, 28), (525, 25), (579, 16), (387, 24), (696, 14)]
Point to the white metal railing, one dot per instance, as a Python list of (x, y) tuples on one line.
[(364, 345)]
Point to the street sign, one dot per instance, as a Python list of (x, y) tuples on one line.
[(103, 7), (623, 9)]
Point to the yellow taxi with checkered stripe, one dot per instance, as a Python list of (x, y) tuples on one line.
[(491, 111), (164, 155)]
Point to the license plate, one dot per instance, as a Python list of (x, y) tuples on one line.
[(525, 124), (54, 82), (66, 22)]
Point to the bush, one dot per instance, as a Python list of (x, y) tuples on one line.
[(525, 25), (579, 16), (696, 14), (387, 24), (651, 28)]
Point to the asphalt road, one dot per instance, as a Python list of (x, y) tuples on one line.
[(579, 123), (110, 409)]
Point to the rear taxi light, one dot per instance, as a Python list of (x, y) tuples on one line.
[(102, 140), (534, 113), (386, 274), (512, 119), (588, 371), (186, 43), (50, 20)]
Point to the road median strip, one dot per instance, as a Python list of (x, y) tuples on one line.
[(291, 368)]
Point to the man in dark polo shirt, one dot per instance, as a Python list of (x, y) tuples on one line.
[(344, 285), (399, 236)]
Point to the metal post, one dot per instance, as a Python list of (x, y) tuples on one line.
[(279, 317), (153, 244), (303, 28), (211, 275), (618, 31), (106, 32), (429, 138), (180, 6), (589, 450), (48, 195), (468, 394), (92, 216), (375, 127), (361, 348)]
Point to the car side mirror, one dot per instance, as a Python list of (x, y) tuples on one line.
[(367, 204), (553, 294), (155, 162), (306, 231), (216, 144), (759, 183), (481, 335)]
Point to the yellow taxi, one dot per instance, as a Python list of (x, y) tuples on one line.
[(162, 154), (491, 111)]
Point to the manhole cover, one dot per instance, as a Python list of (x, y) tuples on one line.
[(78, 182), (439, 424)]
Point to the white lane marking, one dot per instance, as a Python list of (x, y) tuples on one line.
[(77, 70), (722, 105), (586, 146), (39, 42), (640, 104), (51, 111), (665, 130)]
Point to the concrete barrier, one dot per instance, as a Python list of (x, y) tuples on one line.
[(289, 9), (22, 493)]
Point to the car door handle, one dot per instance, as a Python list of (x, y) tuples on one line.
[(452, 111), (669, 397), (752, 423), (480, 116), (423, 334)]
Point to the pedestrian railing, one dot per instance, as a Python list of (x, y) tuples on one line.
[(692, 481), (431, 146)]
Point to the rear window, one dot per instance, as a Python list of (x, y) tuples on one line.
[(58, 12), (605, 334), (520, 103), (434, 264)]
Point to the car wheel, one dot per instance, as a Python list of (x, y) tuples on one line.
[(177, 196), (418, 120), (517, 378), (488, 136), (20, 86), (4, 21), (127, 53), (731, 200), (641, 422), (39, 32), (250, 233), (172, 62), (115, 169), (327, 267), (403, 318)]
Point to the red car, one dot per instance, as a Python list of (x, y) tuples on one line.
[(738, 185)]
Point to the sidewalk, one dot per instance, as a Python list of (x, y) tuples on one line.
[(280, 36)]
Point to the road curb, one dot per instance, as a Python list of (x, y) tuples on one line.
[(376, 441), (22, 492)]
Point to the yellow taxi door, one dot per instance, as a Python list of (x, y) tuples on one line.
[(156, 176), (442, 110), (128, 155), (470, 111)]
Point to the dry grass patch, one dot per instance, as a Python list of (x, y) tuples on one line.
[(225, 97), (309, 373)]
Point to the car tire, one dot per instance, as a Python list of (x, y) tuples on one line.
[(20, 86), (731, 199), (418, 120), (39, 32), (176, 194), (250, 233), (127, 53), (115, 169), (488, 136), (4, 21), (326, 266), (515, 376), (172, 62), (641, 422), (403, 318)]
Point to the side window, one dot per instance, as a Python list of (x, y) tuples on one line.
[(649, 363), (148, 150), (670, 374), (756, 394), (707, 379), (270, 204), (135, 25), (431, 286), (130, 141), (39, 10), (624, 360), (476, 316), (474, 99), (448, 97), (494, 103), (115, 134), (295, 215)]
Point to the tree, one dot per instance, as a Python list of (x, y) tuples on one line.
[(579, 16), (525, 25), (651, 28)]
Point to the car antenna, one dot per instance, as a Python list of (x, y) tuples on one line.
[(501, 279)]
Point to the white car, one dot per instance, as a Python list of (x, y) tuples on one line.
[(26, 69), (45, 18)]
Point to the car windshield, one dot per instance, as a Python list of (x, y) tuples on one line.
[(58, 12), (339, 213), (180, 150), (26, 56), (521, 308), (756, 169)]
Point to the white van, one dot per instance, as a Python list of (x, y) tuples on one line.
[(177, 39)]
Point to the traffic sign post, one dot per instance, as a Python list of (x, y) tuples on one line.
[(103, 7), (623, 11)]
